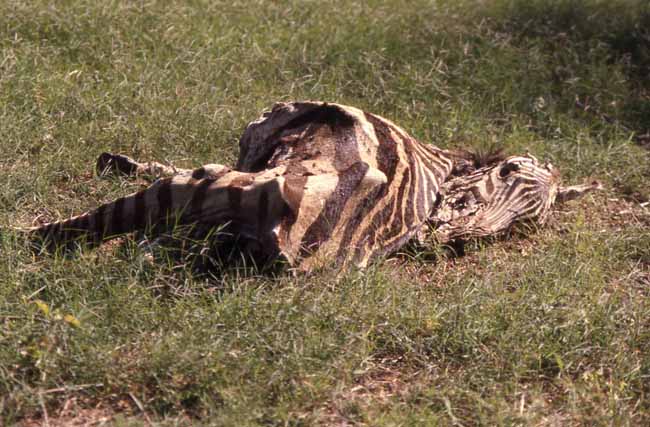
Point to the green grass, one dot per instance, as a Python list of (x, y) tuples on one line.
[(545, 329)]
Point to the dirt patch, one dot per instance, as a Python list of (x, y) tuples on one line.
[(72, 415), (379, 384), (77, 411), (609, 211)]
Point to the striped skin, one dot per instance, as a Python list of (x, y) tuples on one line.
[(318, 183), (361, 186), (211, 196), (323, 184), (491, 199)]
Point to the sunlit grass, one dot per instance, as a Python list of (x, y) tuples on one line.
[(549, 328)]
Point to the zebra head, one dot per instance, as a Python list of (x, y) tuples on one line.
[(493, 198)]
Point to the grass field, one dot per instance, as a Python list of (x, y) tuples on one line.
[(550, 327)]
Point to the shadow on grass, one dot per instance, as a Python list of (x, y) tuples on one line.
[(616, 33)]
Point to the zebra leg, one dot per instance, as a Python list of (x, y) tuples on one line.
[(210, 196), (119, 164), (299, 216)]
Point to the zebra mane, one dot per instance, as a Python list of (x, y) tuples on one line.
[(467, 161)]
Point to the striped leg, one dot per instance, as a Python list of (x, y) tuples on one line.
[(210, 196), (273, 212), (137, 212), (108, 163)]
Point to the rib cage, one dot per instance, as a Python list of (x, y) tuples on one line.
[(323, 184)]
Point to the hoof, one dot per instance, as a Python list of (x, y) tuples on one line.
[(108, 163)]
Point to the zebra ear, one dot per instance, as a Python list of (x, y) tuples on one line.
[(564, 194)]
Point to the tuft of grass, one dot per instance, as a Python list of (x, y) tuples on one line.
[(549, 327)]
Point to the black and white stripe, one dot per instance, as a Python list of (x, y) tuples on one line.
[(324, 184)]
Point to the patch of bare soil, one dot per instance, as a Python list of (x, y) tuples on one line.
[(614, 212), (379, 384), (77, 411), (72, 414)]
